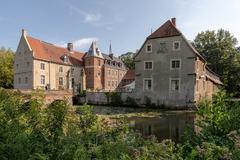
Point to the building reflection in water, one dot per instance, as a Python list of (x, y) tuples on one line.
[(168, 126)]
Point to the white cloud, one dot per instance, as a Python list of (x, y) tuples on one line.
[(81, 44), (88, 17)]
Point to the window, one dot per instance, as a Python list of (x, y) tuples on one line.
[(28, 64), (99, 74), (60, 81), (175, 64), (147, 84), (175, 84), (116, 83), (60, 69), (149, 48), (99, 63), (176, 45), (109, 72), (148, 65), (17, 65), (42, 66), (116, 72), (109, 83), (26, 80), (65, 59), (42, 79), (19, 80)]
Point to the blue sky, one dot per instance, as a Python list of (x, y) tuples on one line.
[(125, 22)]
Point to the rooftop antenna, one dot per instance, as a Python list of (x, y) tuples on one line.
[(151, 30)]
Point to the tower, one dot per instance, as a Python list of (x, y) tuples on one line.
[(94, 62)]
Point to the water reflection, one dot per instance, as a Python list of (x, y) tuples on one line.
[(168, 126)]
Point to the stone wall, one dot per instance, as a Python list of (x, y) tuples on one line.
[(52, 95), (100, 98)]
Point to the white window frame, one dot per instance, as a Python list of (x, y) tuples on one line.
[(42, 79), (173, 47), (144, 89), (180, 64), (170, 85), (147, 51), (145, 65), (42, 66)]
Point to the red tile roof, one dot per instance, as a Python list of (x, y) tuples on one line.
[(168, 29), (130, 74), (49, 52)]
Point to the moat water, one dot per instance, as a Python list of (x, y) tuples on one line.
[(159, 123)]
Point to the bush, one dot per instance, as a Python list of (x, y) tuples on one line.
[(30, 131), (131, 102)]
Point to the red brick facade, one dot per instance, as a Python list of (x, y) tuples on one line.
[(103, 72)]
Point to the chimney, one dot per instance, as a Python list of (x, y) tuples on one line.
[(24, 32), (70, 47), (174, 21)]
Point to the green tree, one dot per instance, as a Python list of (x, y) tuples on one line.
[(6, 68), (128, 60), (220, 51)]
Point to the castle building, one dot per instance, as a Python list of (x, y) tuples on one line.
[(103, 71), (39, 64), (169, 70)]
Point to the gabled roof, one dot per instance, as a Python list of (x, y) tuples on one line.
[(168, 29), (52, 53), (130, 75)]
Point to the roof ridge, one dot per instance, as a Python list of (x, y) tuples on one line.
[(54, 45)]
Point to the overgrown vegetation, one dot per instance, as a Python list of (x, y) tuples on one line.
[(30, 131), (219, 135)]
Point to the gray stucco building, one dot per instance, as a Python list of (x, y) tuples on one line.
[(169, 71)]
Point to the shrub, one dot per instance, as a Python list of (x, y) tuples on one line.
[(131, 102)]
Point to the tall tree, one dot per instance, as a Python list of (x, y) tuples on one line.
[(6, 68), (220, 50), (128, 60)]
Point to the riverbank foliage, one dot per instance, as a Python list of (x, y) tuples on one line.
[(28, 130)]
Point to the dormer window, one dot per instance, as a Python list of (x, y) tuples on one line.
[(65, 59)]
